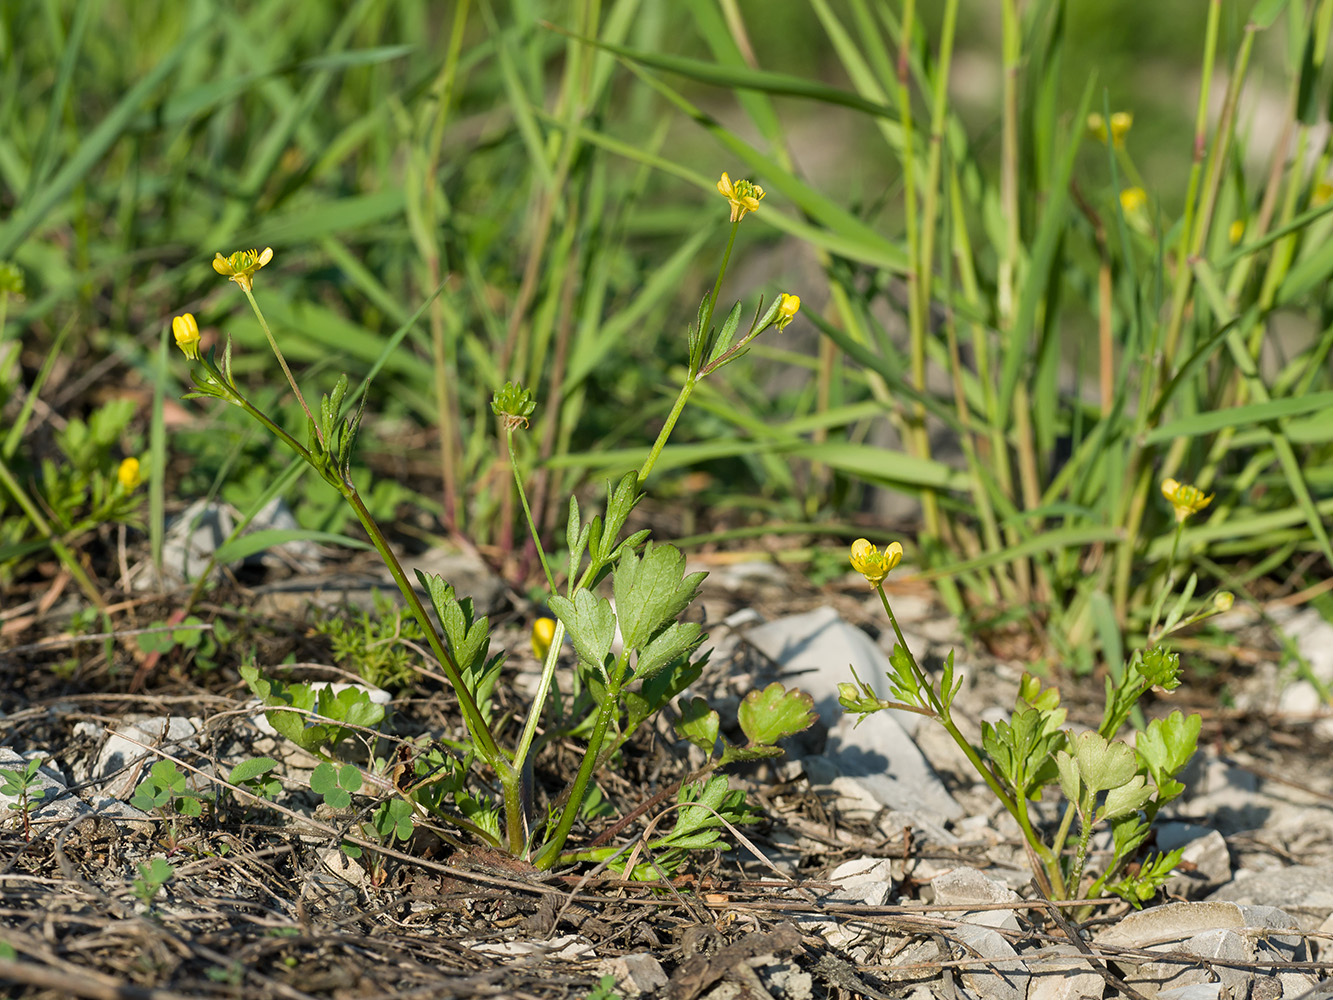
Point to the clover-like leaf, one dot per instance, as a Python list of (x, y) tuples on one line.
[(393, 820), (774, 713), (699, 724), (335, 784)]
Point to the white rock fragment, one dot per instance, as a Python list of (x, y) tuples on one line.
[(1304, 892), (49, 800), (1004, 976), (637, 973), (1206, 860), (1233, 936), (863, 881), (567, 947), (1060, 972), (127, 754)]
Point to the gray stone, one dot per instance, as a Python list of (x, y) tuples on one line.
[(195, 534), (1196, 991), (1227, 794), (884, 759), (864, 881), (1061, 973), (1007, 979), (790, 982), (968, 885), (1227, 933), (1303, 891), (1003, 976), (816, 649), (48, 789), (1206, 859), (636, 973)]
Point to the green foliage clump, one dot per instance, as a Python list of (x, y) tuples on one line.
[(381, 646)]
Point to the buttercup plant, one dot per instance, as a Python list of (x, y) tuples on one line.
[(1102, 779), (611, 692)]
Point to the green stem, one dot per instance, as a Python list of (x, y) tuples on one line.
[(1080, 854), (1170, 584), (1015, 809), (476, 723), (527, 512), (696, 362), (550, 852), (665, 433), (277, 352), (717, 285)]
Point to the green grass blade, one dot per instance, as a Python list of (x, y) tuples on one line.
[(1244, 416), (99, 141), (732, 77)]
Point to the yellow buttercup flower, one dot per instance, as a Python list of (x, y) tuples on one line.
[(1235, 231), (186, 332), (241, 266), (543, 631), (1184, 498), (1133, 199), (128, 474), (1323, 191), (873, 564), (787, 310), (744, 196)]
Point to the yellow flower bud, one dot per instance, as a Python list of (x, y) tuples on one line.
[(241, 266), (543, 631), (873, 564), (1235, 231), (744, 196), (1223, 600), (128, 474), (186, 331), (787, 310), (1184, 498), (1121, 123)]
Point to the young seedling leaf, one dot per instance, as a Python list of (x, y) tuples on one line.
[(1103, 764), (699, 724), (1125, 799), (769, 715), (1167, 745)]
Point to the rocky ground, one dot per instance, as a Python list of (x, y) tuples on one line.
[(881, 868)]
